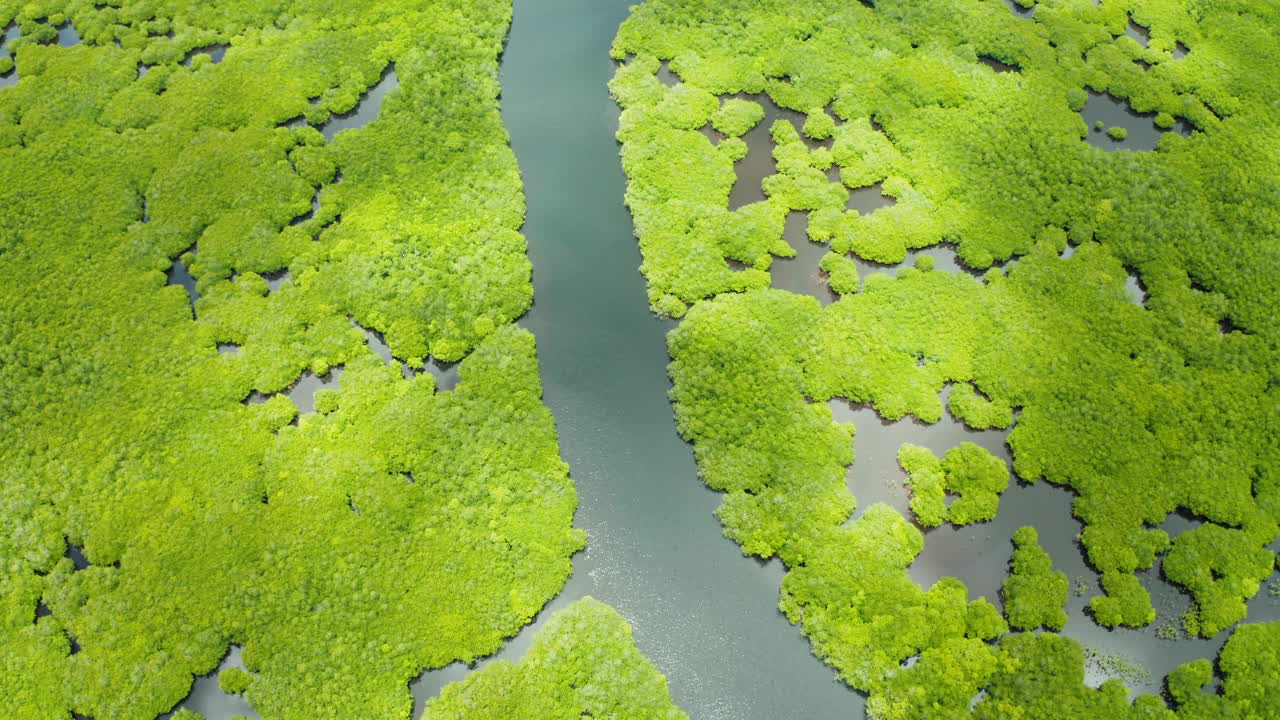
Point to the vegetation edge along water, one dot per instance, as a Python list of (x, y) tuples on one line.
[(967, 115), (221, 318)]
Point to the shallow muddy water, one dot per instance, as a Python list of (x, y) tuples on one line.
[(179, 275), (215, 52), (67, 37), (978, 554), (759, 162)]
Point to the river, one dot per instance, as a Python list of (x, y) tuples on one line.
[(705, 615)]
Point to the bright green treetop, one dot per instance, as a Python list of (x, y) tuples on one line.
[(582, 664), (1034, 593), (404, 525)]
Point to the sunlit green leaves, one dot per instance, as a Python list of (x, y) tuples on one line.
[(582, 664), (1145, 399), (399, 526), (1034, 593)]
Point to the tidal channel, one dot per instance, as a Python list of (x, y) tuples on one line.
[(703, 613)]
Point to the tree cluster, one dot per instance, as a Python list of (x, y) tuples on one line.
[(397, 528), (1142, 409)]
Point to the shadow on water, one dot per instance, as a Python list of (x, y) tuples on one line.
[(375, 342), (944, 260), (315, 201), (367, 109), (67, 37), (207, 697), (1135, 288), (278, 279), (996, 65), (704, 614), (1026, 12), (1140, 35), (802, 273), (76, 555), (445, 374), (302, 392)]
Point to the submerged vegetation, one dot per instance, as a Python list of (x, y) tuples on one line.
[(1145, 404), (165, 491)]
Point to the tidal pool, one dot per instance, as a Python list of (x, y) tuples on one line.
[(800, 273), (445, 374), (1020, 11), (367, 109), (303, 390), (208, 699), (1104, 110), (11, 33), (67, 35), (979, 554), (215, 52), (179, 275), (759, 162)]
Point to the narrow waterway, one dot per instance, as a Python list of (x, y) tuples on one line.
[(704, 614)]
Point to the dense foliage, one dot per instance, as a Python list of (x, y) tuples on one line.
[(1143, 409), (396, 528), (968, 471), (583, 664), (1034, 593)]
